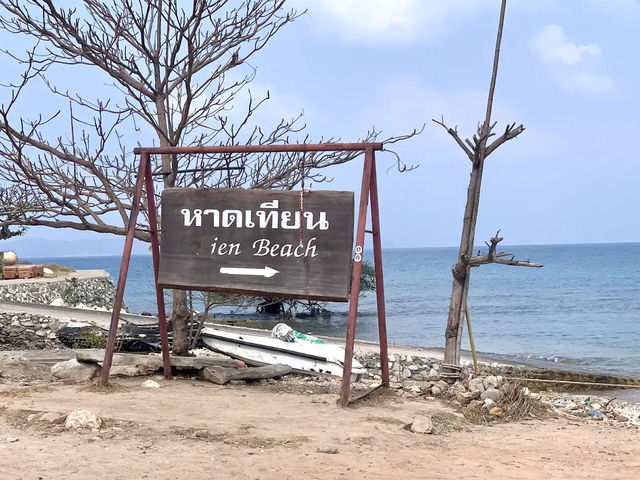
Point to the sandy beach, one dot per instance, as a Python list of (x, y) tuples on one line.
[(188, 428)]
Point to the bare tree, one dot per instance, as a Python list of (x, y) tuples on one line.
[(175, 74), (477, 151), (14, 201)]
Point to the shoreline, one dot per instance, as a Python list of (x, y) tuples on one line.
[(402, 357)]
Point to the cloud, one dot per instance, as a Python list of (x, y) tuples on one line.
[(389, 21), (589, 82), (574, 66), (551, 45)]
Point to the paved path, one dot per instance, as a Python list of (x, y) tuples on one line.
[(80, 275), (96, 317)]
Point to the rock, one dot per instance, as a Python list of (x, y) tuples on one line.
[(406, 373), (490, 382), (476, 385), (329, 450), (492, 394), (495, 411), (75, 371), (41, 333), (444, 386), (12, 439), (150, 384), (488, 403), (436, 391), (47, 272), (620, 418), (433, 374), (238, 382), (525, 391), (83, 419), (421, 424), (465, 398), (53, 417), (475, 404)]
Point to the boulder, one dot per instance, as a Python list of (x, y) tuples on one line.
[(421, 424), (444, 386), (83, 419), (53, 417), (75, 371), (476, 385), (466, 397), (488, 403), (491, 393), (433, 374), (490, 382)]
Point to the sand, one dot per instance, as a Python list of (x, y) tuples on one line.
[(193, 429)]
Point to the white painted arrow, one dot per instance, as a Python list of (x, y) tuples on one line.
[(266, 272)]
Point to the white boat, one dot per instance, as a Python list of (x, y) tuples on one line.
[(303, 356)]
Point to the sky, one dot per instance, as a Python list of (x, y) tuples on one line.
[(567, 72)]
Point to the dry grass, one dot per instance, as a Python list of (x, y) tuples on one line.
[(515, 405), (58, 269)]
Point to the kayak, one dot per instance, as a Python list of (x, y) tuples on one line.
[(302, 355)]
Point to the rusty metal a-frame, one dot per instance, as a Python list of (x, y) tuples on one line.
[(368, 192)]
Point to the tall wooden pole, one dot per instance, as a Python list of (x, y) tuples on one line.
[(377, 261), (355, 278), (124, 269), (155, 251)]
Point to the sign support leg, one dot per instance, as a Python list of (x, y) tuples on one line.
[(155, 250), (355, 279), (124, 269), (377, 260)]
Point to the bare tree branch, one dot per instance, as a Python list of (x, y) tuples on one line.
[(454, 133), (492, 257)]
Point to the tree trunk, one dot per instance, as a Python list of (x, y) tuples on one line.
[(460, 286), (461, 270)]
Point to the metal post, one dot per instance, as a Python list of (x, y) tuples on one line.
[(122, 277), (355, 279), (377, 260), (155, 251)]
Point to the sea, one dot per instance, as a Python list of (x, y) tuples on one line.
[(582, 309)]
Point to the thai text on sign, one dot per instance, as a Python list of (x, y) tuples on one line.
[(263, 242)]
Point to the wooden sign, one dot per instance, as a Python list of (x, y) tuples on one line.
[(260, 242)]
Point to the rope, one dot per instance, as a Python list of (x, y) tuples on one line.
[(574, 382)]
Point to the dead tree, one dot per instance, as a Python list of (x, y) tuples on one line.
[(175, 70), (483, 144)]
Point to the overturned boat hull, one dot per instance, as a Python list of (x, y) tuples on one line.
[(259, 350)]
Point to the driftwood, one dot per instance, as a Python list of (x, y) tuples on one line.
[(144, 363), (222, 375)]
